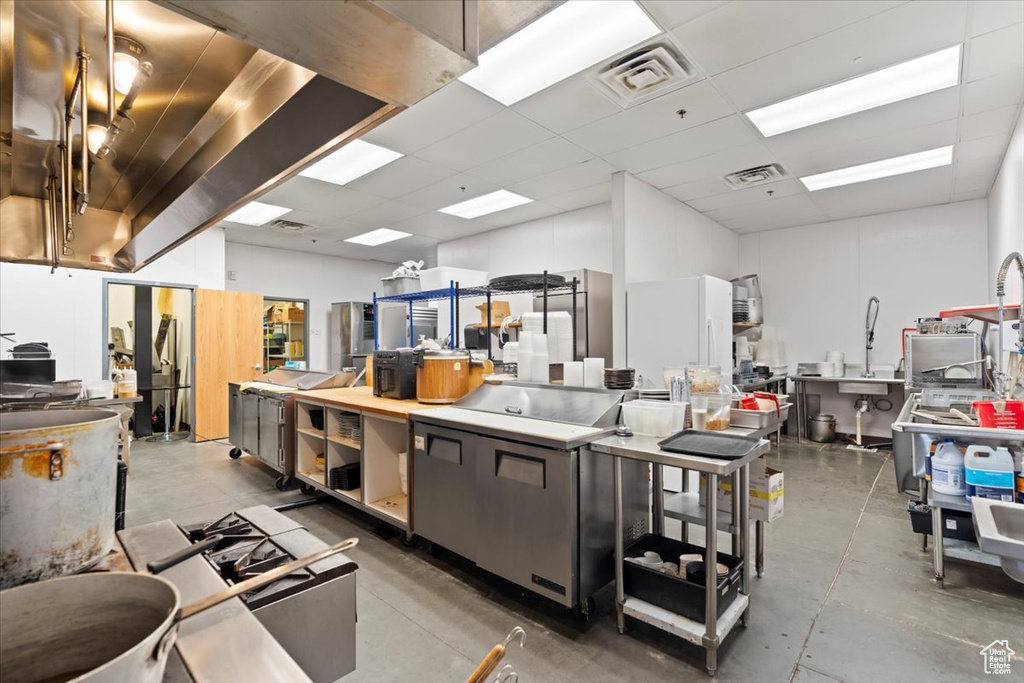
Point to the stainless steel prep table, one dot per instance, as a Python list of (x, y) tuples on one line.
[(800, 384), (710, 634)]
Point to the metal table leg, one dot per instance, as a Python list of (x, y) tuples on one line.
[(800, 418), (658, 499), (940, 566), (736, 531), (744, 514), (620, 595), (759, 542), (168, 435), (710, 641), (685, 531)]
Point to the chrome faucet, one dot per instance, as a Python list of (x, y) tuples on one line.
[(1013, 257), (869, 335)]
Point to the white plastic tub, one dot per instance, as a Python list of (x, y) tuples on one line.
[(654, 418)]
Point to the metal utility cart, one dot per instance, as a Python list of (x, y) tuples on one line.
[(923, 435), (454, 293), (715, 628)]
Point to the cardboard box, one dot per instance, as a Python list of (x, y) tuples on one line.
[(274, 314), (294, 314), (766, 492)]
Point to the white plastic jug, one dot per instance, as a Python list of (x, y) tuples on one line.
[(948, 470), (988, 472)]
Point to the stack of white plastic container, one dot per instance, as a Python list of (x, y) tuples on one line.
[(533, 359)]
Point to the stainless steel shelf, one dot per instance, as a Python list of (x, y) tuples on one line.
[(967, 551), (688, 629), (946, 502), (686, 508)]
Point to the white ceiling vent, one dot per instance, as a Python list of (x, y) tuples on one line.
[(291, 227), (759, 175), (642, 75)]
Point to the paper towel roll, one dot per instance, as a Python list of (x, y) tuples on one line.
[(593, 372)]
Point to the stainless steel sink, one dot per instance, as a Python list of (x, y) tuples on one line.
[(1000, 528)]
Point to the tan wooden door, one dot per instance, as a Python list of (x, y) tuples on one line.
[(229, 348)]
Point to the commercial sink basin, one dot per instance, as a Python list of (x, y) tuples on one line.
[(1000, 527)]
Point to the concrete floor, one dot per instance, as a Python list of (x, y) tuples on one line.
[(848, 594)]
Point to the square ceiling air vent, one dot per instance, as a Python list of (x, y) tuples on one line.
[(643, 75), (291, 227), (759, 175)]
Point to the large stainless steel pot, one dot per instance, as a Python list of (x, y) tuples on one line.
[(58, 481), (108, 627)]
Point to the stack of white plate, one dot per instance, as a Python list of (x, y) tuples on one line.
[(838, 360), (740, 310)]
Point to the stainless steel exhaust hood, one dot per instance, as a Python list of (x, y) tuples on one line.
[(242, 96)]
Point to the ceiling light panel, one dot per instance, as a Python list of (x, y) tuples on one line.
[(377, 237), (257, 213), (485, 204), (885, 86), (933, 158), (352, 161), (570, 38)]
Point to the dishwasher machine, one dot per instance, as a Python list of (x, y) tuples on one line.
[(505, 478)]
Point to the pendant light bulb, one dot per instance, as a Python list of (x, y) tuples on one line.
[(127, 59)]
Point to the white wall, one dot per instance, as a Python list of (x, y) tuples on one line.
[(665, 238), (323, 280), (566, 241), (1006, 214), (66, 308), (816, 280)]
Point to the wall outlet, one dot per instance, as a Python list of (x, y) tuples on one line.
[(314, 333), (232, 275)]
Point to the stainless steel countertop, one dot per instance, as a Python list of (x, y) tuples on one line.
[(864, 380), (540, 432), (645, 448)]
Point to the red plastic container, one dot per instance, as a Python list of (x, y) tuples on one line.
[(1000, 414)]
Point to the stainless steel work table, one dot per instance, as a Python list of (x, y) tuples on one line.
[(709, 634), (800, 384)]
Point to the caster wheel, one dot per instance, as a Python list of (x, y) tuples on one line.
[(307, 489), (435, 550), (584, 610), (410, 540), (235, 453), (282, 482)]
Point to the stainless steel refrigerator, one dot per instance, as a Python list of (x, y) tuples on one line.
[(351, 334), (593, 311)]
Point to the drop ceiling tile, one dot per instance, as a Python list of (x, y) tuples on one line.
[(943, 105), (995, 53), (343, 202), (778, 221), (409, 248), (494, 137), (744, 31), (905, 32), (749, 195), (652, 120), (385, 214), (578, 199), (579, 176), (519, 214), (772, 207), (531, 162), (567, 105), (403, 176), (672, 13), (441, 226), (452, 108), (994, 92), (453, 190), (298, 192), (875, 149), (972, 183), (982, 148), (986, 124), (976, 167), (973, 194), (710, 167), (725, 133), (698, 189), (991, 15), (896, 193)]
